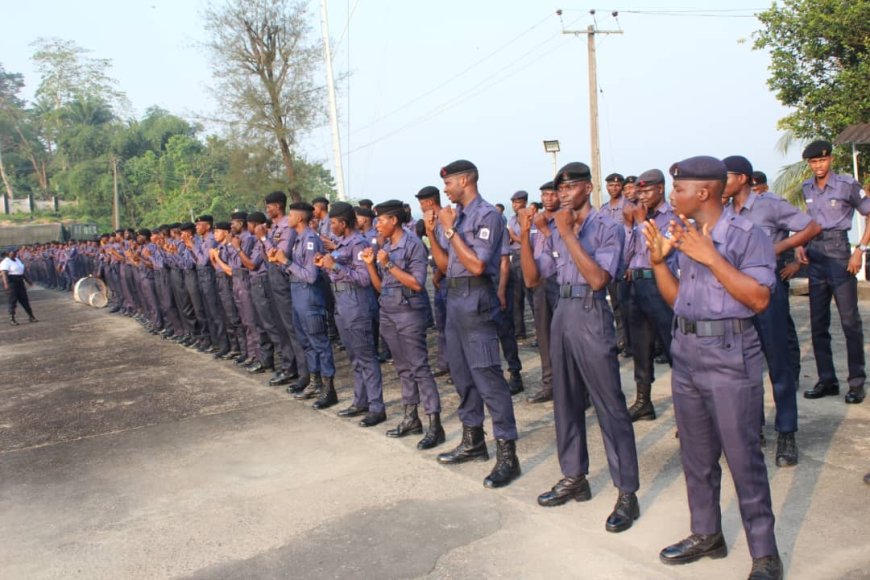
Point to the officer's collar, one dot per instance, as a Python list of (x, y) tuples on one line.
[(721, 228), (747, 205)]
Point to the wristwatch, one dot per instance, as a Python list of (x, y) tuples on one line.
[(389, 265), (449, 233)]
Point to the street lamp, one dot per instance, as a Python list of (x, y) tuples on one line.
[(552, 146)]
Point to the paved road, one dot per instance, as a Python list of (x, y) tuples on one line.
[(124, 456)]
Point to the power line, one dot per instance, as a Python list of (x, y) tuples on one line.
[(455, 76)]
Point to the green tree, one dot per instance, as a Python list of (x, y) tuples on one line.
[(820, 63), (264, 64)]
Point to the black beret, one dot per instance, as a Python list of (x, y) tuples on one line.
[(520, 195), (277, 197), (700, 168), (548, 186), (574, 171), (631, 179), (239, 215), (650, 177), (342, 210), (223, 226), (460, 166), (205, 218), (300, 206), (818, 148), (364, 211), (164, 229), (428, 192), (739, 165), (174, 225), (615, 178), (257, 217), (187, 227), (759, 178), (145, 232), (320, 199), (365, 202), (391, 207)]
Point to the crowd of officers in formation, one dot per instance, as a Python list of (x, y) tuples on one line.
[(703, 273)]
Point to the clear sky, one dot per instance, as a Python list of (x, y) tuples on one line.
[(425, 83)]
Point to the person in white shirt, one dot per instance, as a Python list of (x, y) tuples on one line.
[(14, 276)]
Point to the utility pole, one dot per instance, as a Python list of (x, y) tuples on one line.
[(595, 147), (333, 113), (116, 210)]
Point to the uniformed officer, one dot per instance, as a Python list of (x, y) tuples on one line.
[(224, 283), (587, 248), (519, 200), (146, 280), (628, 188), (398, 272), (726, 274), (430, 200), (354, 310), (241, 245), (282, 237), (309, 307), (546, 294), (651, 317), (831, 201), (776, 217), (321, 215), (171, 248), (205, 275), (267, 321), (759, 182), (187, 262), (173, 329), (615, 209), (474, 235)]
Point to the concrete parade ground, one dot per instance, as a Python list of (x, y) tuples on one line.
[(126, 456)]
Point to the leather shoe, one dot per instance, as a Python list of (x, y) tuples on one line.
[(541, 396), (786, 450), (372, 419), (231, 355), (257, 368), (624, 513), (855, 395), (353, 411), (280, 379), (576, 488), (211, 350), (822, 390), (766, 568), (694, 548)]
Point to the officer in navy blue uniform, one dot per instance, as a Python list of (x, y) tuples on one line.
[(777, 218), (726, 274), (398, 272), (474, 233), (354, 310), (587, 248), (430, 199), (309, 306), (831, 201), (519, 200)]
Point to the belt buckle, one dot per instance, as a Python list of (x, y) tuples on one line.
[(689, 327)]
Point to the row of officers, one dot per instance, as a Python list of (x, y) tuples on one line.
[(703, 274)]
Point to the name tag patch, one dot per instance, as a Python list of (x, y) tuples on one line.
[(484, 233)]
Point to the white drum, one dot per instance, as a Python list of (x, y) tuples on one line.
[(91, 291)]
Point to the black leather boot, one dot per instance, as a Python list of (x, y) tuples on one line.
[(822, 389), (471, 448), (434, 434), (624, 513), (642, 409), (313, 388), (410, 424), (516, 383), (12, 320), (766, 568), (31, 318), (786, 450), (507, 465), (328, 397), (568, 488), (300, 385)]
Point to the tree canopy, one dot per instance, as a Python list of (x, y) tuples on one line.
[(78, 129)]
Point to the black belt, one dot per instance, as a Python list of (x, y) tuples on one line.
[(832, 235), (240, 272), (641, 274), (406, 292), (469, 282), (343, 286), (578, 291), (705, 328)]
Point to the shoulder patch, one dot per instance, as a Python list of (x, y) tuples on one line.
[(359, 256), (309, 246), (483, 234)]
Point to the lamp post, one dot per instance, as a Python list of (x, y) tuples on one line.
[(552, 146)]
